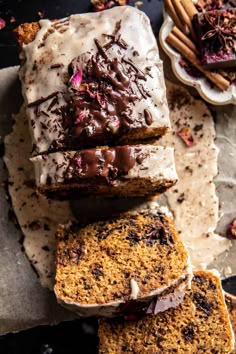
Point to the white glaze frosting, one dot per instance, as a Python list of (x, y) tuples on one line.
[(61, 41), (158, 164)]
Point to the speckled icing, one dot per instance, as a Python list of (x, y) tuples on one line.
[(156, 164), (45, 76)]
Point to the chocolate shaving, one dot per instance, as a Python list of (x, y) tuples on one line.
[(43, 99)]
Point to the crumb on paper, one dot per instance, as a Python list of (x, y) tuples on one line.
[(227, 271), (186, 135), (41, 14), (231, 230), (12, 19), (138, 3)]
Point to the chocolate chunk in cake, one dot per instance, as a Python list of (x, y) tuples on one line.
[(131, 263), (135, 170), (200, 324)]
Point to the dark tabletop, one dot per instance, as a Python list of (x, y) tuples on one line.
[(77, 337), (15, 12)]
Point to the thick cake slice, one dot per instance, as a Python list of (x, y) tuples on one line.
[(90, 80), (199, 325), (134, 262), (136, 170)]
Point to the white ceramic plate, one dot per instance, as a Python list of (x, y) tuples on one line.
[(208, 93)]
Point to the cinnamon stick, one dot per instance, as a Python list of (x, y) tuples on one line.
[(184, 17), (189, 8), (185, 39), (187, 53), (170, 8)]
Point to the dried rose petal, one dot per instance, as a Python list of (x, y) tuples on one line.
[(76, 80), (231, 230), (80, 117), (78, 161), (2, 23), (186, 135), (113, 126), (12, 19)]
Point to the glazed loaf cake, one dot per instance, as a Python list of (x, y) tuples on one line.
[(136, 170), (132, 263), (199, 325), (90, 80)]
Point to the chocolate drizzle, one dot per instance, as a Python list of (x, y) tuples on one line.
[(103, 104), (107, 164)]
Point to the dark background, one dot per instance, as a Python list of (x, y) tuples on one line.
[(28, 11), (79, 336)]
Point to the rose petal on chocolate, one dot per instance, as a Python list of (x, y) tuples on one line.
[(2, 23), (231, 230), (80, 117), (78, 161), (186, 135), (76, 80)]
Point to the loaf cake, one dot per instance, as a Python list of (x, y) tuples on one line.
[(131, 263), (90, 80), (136, 170), (199, 325), (231, 305)]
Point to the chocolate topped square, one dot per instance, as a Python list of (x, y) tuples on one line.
[(216, 31)]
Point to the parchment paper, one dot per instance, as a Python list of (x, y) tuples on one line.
[(23, 302)]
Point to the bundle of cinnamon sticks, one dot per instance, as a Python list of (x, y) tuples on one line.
[(182, 38)]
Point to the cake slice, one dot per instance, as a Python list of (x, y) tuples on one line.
[(199, 325), (124, 171), (90, 80), (134, 262)]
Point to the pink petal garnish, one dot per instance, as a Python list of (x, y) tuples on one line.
[(231, 230), (12, 19), (2, 23), (78, 161), (76, 80), (80, 117), (186, 135)]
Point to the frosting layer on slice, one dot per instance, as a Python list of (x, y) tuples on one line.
[(135, 170), (90, 79)]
